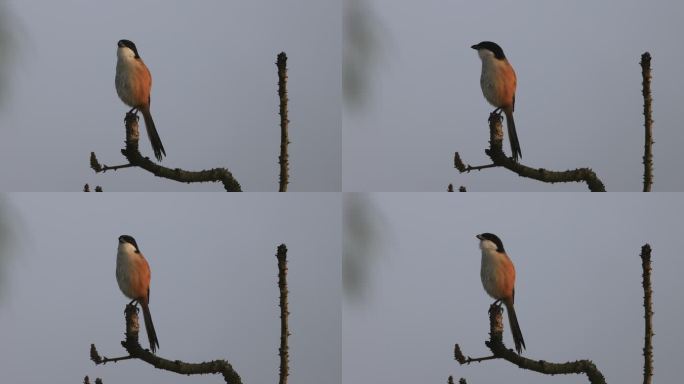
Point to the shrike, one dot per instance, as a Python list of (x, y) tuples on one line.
[(133, 276), (498, 84), (133, 85), (498, 279)]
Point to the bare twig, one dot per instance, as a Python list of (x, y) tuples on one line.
[(135, 351), (499, 159), (284, 158), (284, 313), (458, 164), (106, 168), (458, 356), (97, 359), (648, 313), (648, 120), (135, 159)]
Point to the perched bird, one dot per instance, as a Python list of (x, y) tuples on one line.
[(133, 85), (133, 276), (498, 83), (498, 279)]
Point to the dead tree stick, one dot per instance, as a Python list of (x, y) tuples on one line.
[(284, 158), (648, 120), (648, 313), (284, 313)]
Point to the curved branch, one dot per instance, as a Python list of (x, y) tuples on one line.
[(135, 159), (495, 344), (135, 351), (499, 159)]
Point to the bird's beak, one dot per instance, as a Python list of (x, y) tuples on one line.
[(479, 237), (474, 46)]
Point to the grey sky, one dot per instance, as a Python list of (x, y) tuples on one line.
[(578, 290), (414, 100), (214, 290), (578, 102), (214, 95)]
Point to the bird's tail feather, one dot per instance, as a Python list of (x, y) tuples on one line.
[(512, 135), (149, 327), (515, 327), (157, 145)]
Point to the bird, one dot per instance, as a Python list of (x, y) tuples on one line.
[(133, 83), (133, 276), (498, 82), (498, 279)]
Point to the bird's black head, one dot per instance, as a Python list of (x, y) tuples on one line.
[(130, 240), (494, 47), (494, 239), (129, 44)]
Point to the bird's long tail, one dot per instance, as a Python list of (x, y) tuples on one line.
[(515, 327), (512, 135), (157, 145), (149, 327)]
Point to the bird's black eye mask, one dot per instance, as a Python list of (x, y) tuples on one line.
[(494, 239), (494, 47), (130, 240), (129, 44)]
